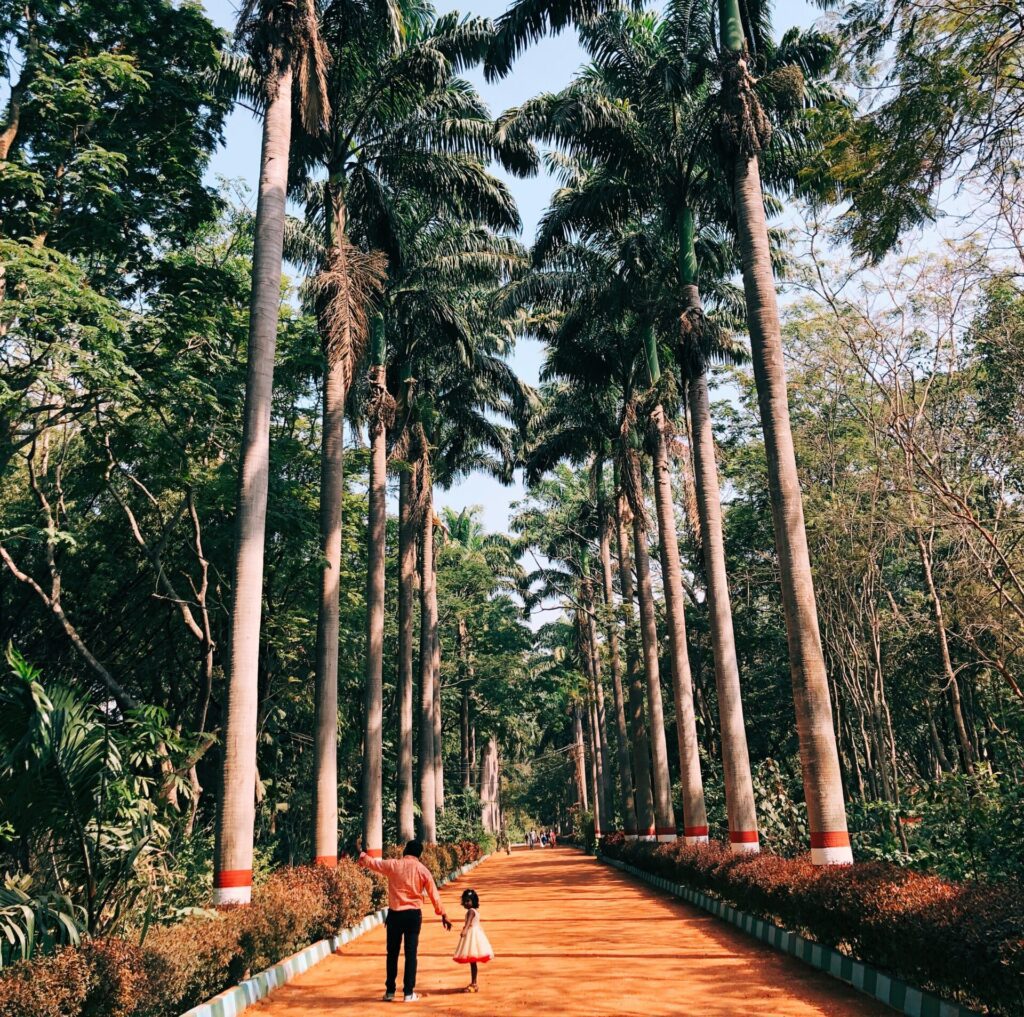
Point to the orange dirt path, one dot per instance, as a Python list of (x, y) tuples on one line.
[(574, 938)]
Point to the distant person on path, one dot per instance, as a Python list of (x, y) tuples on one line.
[(408, 880), (552, 839), (474, 948), (543, 840)]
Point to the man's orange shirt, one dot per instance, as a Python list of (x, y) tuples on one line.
[(408, 879)]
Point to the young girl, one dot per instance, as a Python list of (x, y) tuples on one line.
[(474, 947)]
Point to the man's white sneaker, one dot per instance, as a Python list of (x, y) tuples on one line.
[(388, 997), (411, 998)]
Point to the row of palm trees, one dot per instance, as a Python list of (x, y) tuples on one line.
[(662, 147), (403, 238), (664, 156)]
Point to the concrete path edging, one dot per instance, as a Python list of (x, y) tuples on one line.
[(894, 992), (234, 1001)]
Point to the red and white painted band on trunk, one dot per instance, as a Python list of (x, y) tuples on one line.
[(663, 831), (743, 836), (232, 886), (744, 842), (831, 847), (327, 861), (695, 831), (231, 878), (830, 839)]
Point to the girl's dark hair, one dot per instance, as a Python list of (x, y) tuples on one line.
[(470, 897)]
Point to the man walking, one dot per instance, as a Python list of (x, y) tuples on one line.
[(408, 879)]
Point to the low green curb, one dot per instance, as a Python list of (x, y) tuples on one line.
[(234, 1001), (891, 991)]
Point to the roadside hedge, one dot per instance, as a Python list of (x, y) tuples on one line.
[(963, 941), (184, 964)]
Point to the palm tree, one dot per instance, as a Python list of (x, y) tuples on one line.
[(407, 585), (649, 152), (579, 425), (429, 645), (381, 416), (398, 109), (283, 39), (438, 263), (618, 287), (745, 133), (481, 555), (564, 533)]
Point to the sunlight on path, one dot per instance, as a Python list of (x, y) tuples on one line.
[(574, 938)]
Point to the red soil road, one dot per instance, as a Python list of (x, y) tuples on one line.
[(574, 938)]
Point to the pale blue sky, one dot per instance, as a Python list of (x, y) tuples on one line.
[(545, 67)]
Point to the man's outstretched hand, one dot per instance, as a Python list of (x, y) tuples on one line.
[(447, 924)]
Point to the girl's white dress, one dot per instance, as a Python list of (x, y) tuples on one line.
[(474, 947)]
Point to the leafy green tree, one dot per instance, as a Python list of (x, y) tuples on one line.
[(105, 136)]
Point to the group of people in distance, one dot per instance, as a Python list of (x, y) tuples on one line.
[(546, 838), (408, 880)]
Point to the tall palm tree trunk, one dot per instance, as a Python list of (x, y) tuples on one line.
[(381, 411), (325, 757), (581, 760), (407, 536), (695, 817), (644, 801), (607, 784), (739, 786), (490, 785), (236, 816), (664, 815), (438, 732), (593, 765), (819, 756), (428, 628), (593, 724), (466, 677), (621, 732)]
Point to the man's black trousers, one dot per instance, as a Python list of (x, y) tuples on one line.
[(403, 925)]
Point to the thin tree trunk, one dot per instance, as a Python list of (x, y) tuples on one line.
[(621, 732), (819, 757), (644, 800), (407, 535), (237, 813), (428, 629), (739, 785), (472, 755), (695, 817), (373, 734), (952, 688), (664, 814)]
